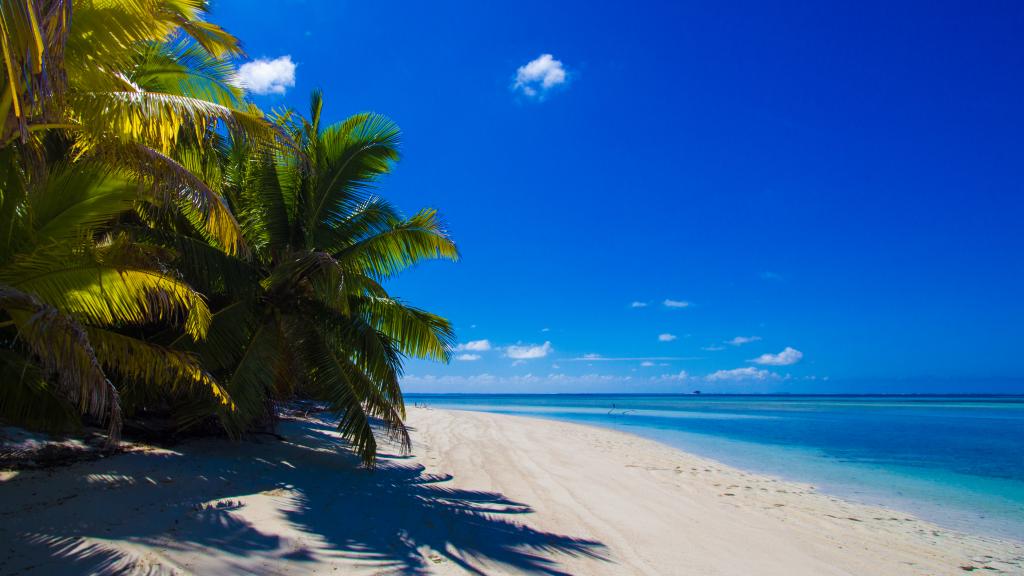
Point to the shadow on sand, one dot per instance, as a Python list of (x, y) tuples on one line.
[(214, 497)]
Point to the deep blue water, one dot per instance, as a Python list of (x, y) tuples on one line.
[(955, 460)]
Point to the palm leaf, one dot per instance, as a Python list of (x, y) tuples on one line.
[(186, 69), (349, 393), (399, 245), (348, 158), (147, 364), (104, 295), (159, 119), (77, 198), (417, 333), (61, 347)]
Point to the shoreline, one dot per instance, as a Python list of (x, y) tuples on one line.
[(501, 494), (854, 493)]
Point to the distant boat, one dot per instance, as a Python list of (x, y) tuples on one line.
[(696, 391)]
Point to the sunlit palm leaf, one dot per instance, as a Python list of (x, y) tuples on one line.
[(399, 245), (348, 158), (148, 364), (416, 332), (186, 69), (108, 296), (61, 347), (76, 199), (159, 119)]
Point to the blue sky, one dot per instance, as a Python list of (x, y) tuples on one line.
[(833, 190)]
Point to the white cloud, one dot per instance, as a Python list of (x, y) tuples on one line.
[(545, 329), (599, 358), (638, 304), (738, 374), (474, 346), (666, 337), (713, 348), (647, 363), (537, 77), (546, 382), (264, 76), (741, 340), (669, 303), (682, 375), (467, 357), (787, 357), (528, 351)]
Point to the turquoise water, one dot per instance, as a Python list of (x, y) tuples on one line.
[(957, 461)]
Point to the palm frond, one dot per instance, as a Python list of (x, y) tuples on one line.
[(348, 158), (350, 394), (32, 45), (187, 69), (105, 295), (62, 348), (399, 244), (252, 380), (144, 363), (159, 119), (417, 333), (76, 199), (190, 194)]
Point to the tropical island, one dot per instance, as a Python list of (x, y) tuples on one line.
[(203, 358)]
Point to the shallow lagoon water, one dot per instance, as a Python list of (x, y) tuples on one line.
[(957, 460)]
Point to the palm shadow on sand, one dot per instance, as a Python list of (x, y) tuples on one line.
[(398, 518)]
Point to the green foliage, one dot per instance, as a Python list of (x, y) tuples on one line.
[(317, 322), (163, 243)]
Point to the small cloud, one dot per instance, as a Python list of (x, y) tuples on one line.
[(713, 348), (545, 329), (682, 375), (741, 340), (474, 346), (528, 351), (638, 304), (538, 76), (666, 337), (467, 357), (787, 357), (676, 303), (600, 358), (737, 374), (264, 76), (647, 364)]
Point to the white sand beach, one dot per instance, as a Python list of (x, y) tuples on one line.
[(482, 494)]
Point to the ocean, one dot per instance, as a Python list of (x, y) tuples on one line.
[(957, 461)]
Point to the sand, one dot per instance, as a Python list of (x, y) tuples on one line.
[(483, 494)]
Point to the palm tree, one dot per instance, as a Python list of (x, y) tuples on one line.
[(308, 314), (138, 190), (130, 91)]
